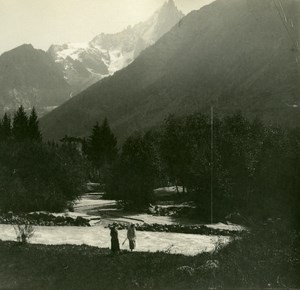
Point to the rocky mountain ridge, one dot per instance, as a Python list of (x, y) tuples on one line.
[(232, 54), (30, 77), (85, 63)]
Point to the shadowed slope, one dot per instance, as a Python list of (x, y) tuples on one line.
[(233, 54), (29, 77)]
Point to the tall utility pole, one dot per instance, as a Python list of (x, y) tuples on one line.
[(211, 162)]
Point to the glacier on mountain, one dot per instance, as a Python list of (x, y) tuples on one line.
[(85, 63)]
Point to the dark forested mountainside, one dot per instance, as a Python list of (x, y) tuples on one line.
[(233, 54), (30, 77)]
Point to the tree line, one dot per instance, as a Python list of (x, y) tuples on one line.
[(21, 127), (254, 169), (35, 175)]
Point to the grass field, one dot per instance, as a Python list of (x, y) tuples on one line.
[(267, 259)]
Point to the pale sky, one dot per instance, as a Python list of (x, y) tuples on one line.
[(46, 22)]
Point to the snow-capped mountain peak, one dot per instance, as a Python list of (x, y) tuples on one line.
[(86, 63), (72, 50)]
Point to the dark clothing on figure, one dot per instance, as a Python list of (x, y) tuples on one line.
[(115, 246), (132, 244)]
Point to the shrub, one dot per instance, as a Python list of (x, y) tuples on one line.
[(267, 256), (24, 232), (134, 174), (35, 176)]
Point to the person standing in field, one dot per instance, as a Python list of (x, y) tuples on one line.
[(115, 246), (131, 236)]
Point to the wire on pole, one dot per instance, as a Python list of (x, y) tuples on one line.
[(284, 20)]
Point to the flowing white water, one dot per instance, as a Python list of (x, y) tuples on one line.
[(98, 236)]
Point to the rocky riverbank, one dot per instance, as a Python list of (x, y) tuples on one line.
[(44, 219), (176, 228)]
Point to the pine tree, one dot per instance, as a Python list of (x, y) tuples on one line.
[(108, 143), (20, 125), (1, 132), (175, 149), (94, 145), (134, 175), (33, 127), (102, 145), (84, 146), (5, 127)]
